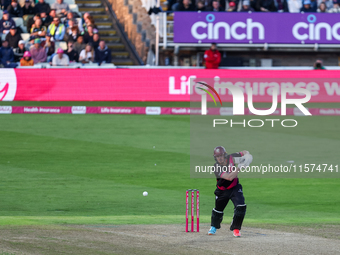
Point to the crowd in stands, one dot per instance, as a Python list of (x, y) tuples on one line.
[(293, 6), (48, 25)]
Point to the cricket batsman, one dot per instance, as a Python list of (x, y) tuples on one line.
[(229, 188)]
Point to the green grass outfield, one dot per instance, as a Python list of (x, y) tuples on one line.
[(92, 169)]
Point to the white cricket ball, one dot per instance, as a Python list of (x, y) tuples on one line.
[(145, 193)]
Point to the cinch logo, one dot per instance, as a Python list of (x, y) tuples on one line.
[(238, 100), (238, 30), (312, 31), (8, 84)]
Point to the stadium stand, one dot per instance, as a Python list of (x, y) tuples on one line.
[(106, 31), (103, 23), (129, 29)]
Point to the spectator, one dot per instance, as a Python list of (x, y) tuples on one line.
[(53, 14), (31, 21), (232, 7), (83, 23), (318, 65), (61, 8), (30, 42), (103, 54), (46, 19), (69, 25), (74, 34), (96, 40), (266, 6), (322, 7), (281, 5), (313, 4), (216, 7), (88, 36), (57, 29), (87, 55), (207, 3), (60, 59), (68, 18), (6, 23), (200, 6), (13, 37), (89, 21), (38, 53), (234, 3), (86, 15), (79, 45), (307, 6), (4, 4), (19, 52), (14, 9), (41, 6), (7, 56), (186, 5), (71, 53), (48, 45), (328, 3), (172, 5), (336, 7), (246, 6), (212, 57), (37, 29), (26, 59), (294, 6), (28, 9)]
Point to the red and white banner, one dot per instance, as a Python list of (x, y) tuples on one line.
[(150, 110), (156, 84)]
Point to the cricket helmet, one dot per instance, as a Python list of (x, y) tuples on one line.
[(219, 151)]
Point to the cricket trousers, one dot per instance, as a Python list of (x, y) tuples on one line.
[(222, 198)]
